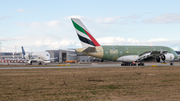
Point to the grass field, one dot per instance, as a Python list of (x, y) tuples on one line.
[(99, 84)]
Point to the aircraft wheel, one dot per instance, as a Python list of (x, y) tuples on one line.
[(171, 64), (142, 64), (122, 64), (40, 63), (133, 64)]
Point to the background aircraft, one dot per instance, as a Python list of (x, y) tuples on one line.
[(41, 57), (128, 55)]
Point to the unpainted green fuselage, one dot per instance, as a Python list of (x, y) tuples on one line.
[(114, 52)]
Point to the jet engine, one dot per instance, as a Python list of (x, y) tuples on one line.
[(165, 57)]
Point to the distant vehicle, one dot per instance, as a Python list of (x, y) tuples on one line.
[(40, 57), (128, 55)]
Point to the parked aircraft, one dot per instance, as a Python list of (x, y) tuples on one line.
[(128, 55), (40, 57)]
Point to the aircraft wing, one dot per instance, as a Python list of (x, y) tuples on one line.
[(53, 58), (158, 53), (151, 54)]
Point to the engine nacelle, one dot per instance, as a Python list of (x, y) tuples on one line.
[(165, 57)]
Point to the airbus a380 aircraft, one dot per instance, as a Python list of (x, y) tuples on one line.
[(36, 57), (128, 55)]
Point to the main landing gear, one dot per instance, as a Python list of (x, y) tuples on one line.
[(140, 64), (171, 64), (31, 63), (131, 64), (40, 63), (128, 64)]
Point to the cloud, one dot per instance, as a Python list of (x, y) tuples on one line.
[(63, 43), (159, 40), (165, 18), (175, 48), (106, 20), (116, 19), (117, 41), (47, 23), (39, 43), (111, 40), (75, 16), (87, 19), (131, 41), (10, 39), (52, 44), (5, 17), (53, 23), (20, 10), (21, 24), (35, 24)]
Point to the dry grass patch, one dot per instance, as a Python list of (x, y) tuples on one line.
[(123, 83)]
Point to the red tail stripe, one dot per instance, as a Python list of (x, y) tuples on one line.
[(93, 40)]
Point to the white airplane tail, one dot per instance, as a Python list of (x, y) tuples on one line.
[(87, 40)]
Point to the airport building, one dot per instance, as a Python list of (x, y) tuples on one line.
[(58, 56), (68, 55), (10, 56)]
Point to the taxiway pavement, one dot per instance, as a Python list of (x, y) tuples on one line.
[(93, 65)]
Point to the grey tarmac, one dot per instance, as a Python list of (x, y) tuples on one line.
[(89, 65)]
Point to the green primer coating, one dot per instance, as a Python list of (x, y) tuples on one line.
[(79, 27), (114, 52)]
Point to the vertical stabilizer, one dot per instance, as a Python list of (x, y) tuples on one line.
[(23, 51), (87, 40)]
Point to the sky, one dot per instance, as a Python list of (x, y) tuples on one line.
[(40, 25)]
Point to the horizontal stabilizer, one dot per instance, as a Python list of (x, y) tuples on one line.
[(90, 49)]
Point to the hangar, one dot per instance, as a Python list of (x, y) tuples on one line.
[(58, 56), (10, 56), (68, 55)]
